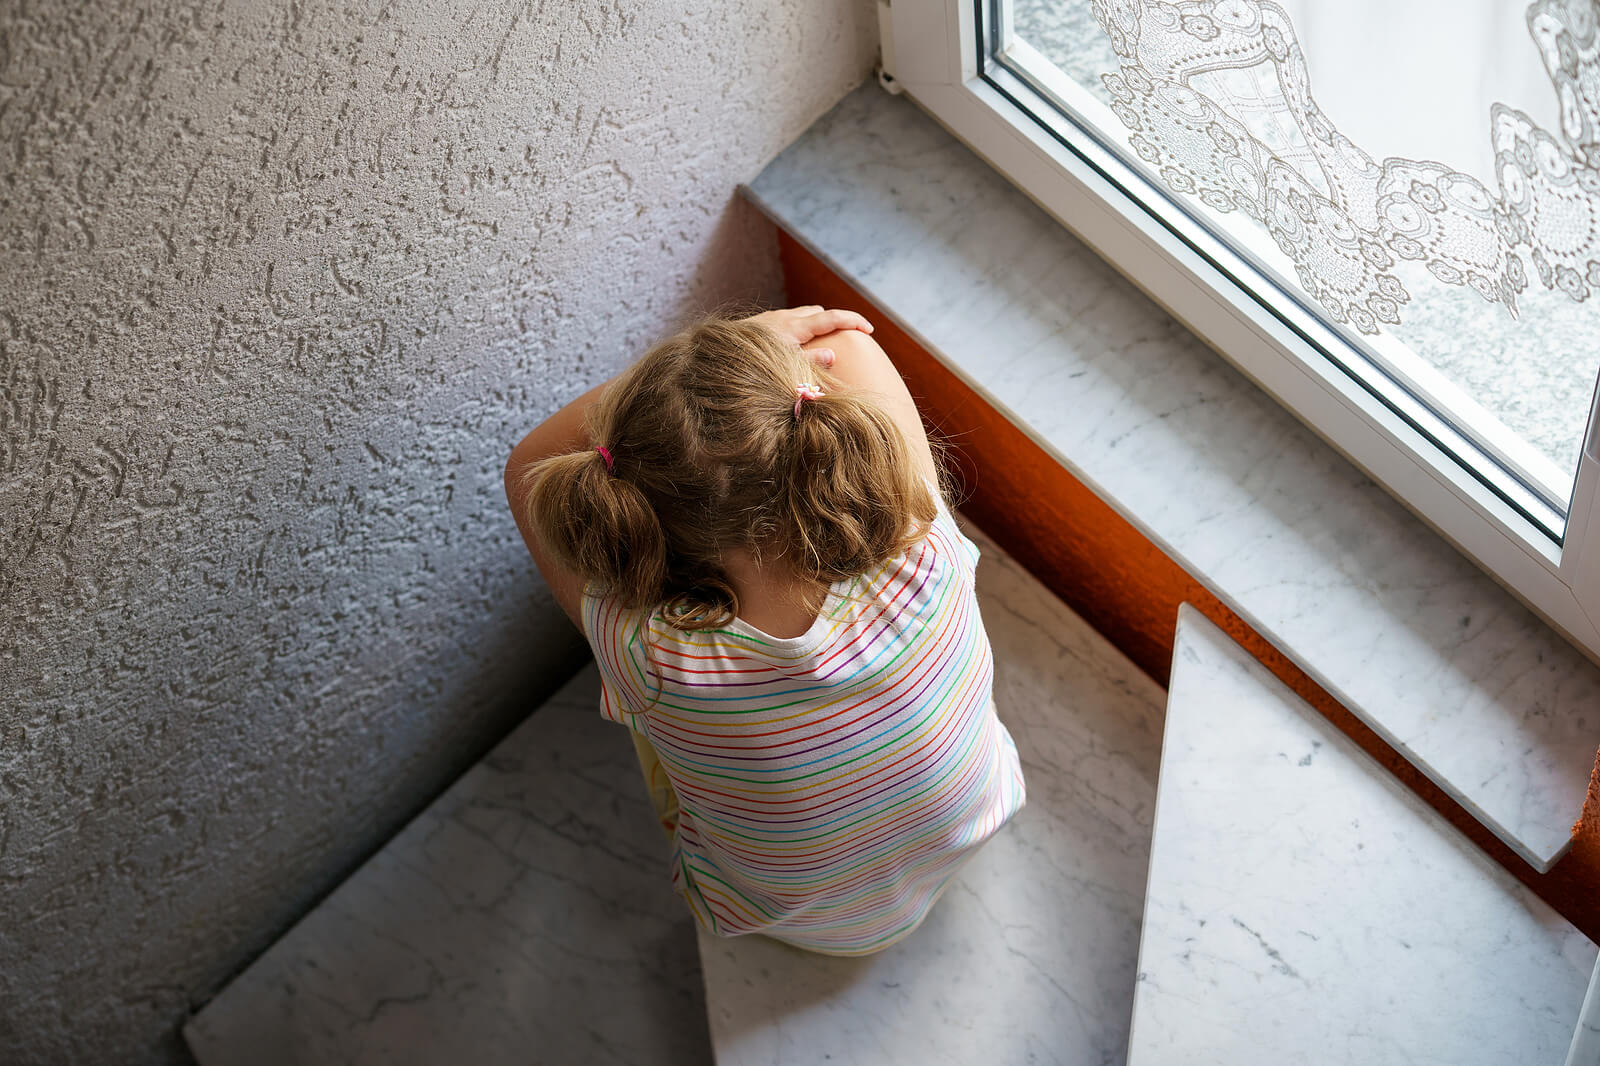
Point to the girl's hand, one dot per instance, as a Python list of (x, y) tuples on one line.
[(804, 324)]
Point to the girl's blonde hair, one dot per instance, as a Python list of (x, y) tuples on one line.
[(707, 453)]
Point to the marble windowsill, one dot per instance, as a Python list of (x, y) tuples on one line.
[(1443, 663)]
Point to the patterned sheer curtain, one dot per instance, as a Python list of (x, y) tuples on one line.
[(1206, 89), (1466, 269)]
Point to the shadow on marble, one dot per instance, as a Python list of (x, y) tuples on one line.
[(526, 916), (1030, 955)]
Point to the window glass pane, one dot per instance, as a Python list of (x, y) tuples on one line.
[(1423, 175)]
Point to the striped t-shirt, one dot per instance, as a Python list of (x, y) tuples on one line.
[(830, 784)]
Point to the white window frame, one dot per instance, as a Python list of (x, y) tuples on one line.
[(930, 52)]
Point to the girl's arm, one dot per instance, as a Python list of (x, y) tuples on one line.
[(565, 430), (859, 361), (840, 341), (562, 432)]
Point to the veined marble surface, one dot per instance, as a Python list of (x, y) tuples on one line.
[(1303, 907), (1585, 1049), (526, 916), (1029, 955), (1443, 663)]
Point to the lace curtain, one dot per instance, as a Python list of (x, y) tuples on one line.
[(1202, 85)]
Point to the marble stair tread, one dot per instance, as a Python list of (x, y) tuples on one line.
[(1468, 684), (525, 916), (1585, 1050), (1029, 955), (1303, 907)]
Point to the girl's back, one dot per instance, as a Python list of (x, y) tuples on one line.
[(828, 784), (821, 788)]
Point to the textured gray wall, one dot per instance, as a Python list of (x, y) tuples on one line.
[(282, 283)]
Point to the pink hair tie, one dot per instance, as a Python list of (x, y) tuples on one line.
[(605, 453), (805, 391)]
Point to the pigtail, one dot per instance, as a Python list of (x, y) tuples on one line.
[(854, 497), (598, 526), (710, 603), (711, 447)]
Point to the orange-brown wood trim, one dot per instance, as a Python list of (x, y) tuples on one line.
[(1125, 586)]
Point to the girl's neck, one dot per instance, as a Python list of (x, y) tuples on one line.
[(771, 597)]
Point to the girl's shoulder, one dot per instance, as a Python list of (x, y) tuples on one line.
[(617, 636), (946, 537)]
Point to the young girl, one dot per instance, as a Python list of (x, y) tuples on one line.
[(747, 526)]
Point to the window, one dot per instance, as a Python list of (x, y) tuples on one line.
[(1388, 214)]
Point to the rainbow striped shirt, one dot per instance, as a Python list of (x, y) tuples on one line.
[(830, 784)]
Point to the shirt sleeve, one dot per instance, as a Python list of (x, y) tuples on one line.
[(948, 539), (616, 636)]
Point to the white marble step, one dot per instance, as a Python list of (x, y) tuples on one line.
[(1302, 907), (527, 915), (1585, 1049), (1029, 957), (524, 917)]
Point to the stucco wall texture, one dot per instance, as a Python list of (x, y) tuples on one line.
[(282, 283)]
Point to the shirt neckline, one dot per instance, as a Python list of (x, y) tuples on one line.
[(808, 640), (826, 618)]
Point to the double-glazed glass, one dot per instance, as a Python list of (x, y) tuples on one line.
[(1422, 176)]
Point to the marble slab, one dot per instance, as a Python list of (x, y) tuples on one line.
[(526, 916), (1585, 1050), (1445, 665), (1303, 907), (1029, 955)]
